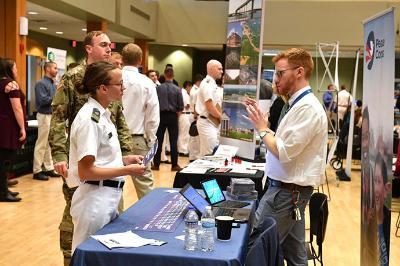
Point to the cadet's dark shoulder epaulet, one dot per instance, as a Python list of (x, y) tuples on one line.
[(95, 115)]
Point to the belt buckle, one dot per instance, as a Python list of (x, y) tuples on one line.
[(101, 183)]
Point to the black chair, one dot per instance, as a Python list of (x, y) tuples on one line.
[(264, 247), (318, 220)]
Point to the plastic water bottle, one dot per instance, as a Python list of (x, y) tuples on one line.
[(191, 229), (208, 227)]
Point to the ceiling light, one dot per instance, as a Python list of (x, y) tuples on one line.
[(184, 45), (59, 32), (33, 13), (43, 28), (84, 29)]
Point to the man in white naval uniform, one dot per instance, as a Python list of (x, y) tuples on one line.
[(207, 108), (141, 111), (184, 121)]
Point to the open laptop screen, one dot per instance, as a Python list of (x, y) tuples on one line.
[(194, 198), (213, 191)]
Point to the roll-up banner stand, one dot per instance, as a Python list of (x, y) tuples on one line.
[(242, 72), (377, 138)]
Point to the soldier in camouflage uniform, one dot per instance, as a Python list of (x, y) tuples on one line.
[(66, 104)]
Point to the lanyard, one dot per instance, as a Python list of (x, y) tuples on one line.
[(299, 98)]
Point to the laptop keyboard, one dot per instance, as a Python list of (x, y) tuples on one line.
[(232, 204), (223, 212)]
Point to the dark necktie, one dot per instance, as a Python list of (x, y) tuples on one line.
[(283, 113)]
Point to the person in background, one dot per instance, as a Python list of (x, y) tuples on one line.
[(152, 74), (330, 106), (95, 154), (66, 104), (208, 109), (161, 78), (184, 120), (265, 87), (171, 106), (194, 141), (116, 59), (296, 152), (44, 93), (344, 101), (13, 122), (141, 111)]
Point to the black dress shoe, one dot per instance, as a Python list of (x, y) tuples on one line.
[(166, 162), (9, 198), (13, 193), (155, 168), (40, 176), (51, 173), (176, 168)]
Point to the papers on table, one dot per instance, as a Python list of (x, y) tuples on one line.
[(201, 166), (226, 151), (126, 239)]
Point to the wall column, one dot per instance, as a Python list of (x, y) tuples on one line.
[(12, 45), (144, 45)]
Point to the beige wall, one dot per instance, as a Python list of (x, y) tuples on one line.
[(180, 57), (197, 22), (102, 8), (131, 20)]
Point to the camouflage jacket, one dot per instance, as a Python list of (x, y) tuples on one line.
[(66, 104)]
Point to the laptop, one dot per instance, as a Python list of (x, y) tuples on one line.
[(217, 198), (199, 203)]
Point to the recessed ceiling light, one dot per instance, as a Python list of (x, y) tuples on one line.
[(33, 13), (59, 32), (43, 28), (84, 29), (184, 45)]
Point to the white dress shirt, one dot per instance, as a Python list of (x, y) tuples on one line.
[(301, 139), (98, 139), (207, 91), (140, 102), (344, 99), (193, 97), (186, 100)]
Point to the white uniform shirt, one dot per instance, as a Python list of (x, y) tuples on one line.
[(208, 90), (186, 100), (140, 102), (301, 139), (193, 97), (98, 139), (344, 99)]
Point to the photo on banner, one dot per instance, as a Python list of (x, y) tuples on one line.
[(377, 138), (243, 42)]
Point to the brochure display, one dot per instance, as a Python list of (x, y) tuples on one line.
[(377, 138), (242, 72)]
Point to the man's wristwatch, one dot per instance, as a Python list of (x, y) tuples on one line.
[(264, 133)]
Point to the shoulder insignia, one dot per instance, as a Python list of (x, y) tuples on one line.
[(95, 115)]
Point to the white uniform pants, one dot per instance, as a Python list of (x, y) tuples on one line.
[(194, 144), (92, 207), (42, 153), (183, 136), (209, 136)]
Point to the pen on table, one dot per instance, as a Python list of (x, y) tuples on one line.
[(115, 241)]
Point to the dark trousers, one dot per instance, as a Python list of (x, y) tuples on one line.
[(168, 120), (6, 158)]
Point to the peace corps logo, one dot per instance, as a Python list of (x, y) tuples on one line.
[(370, 50)]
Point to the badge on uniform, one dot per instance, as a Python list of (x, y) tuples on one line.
[(96, 115)]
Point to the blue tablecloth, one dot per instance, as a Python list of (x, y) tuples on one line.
[(92, 252)]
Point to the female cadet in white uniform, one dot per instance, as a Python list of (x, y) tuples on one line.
[(95, 154)]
